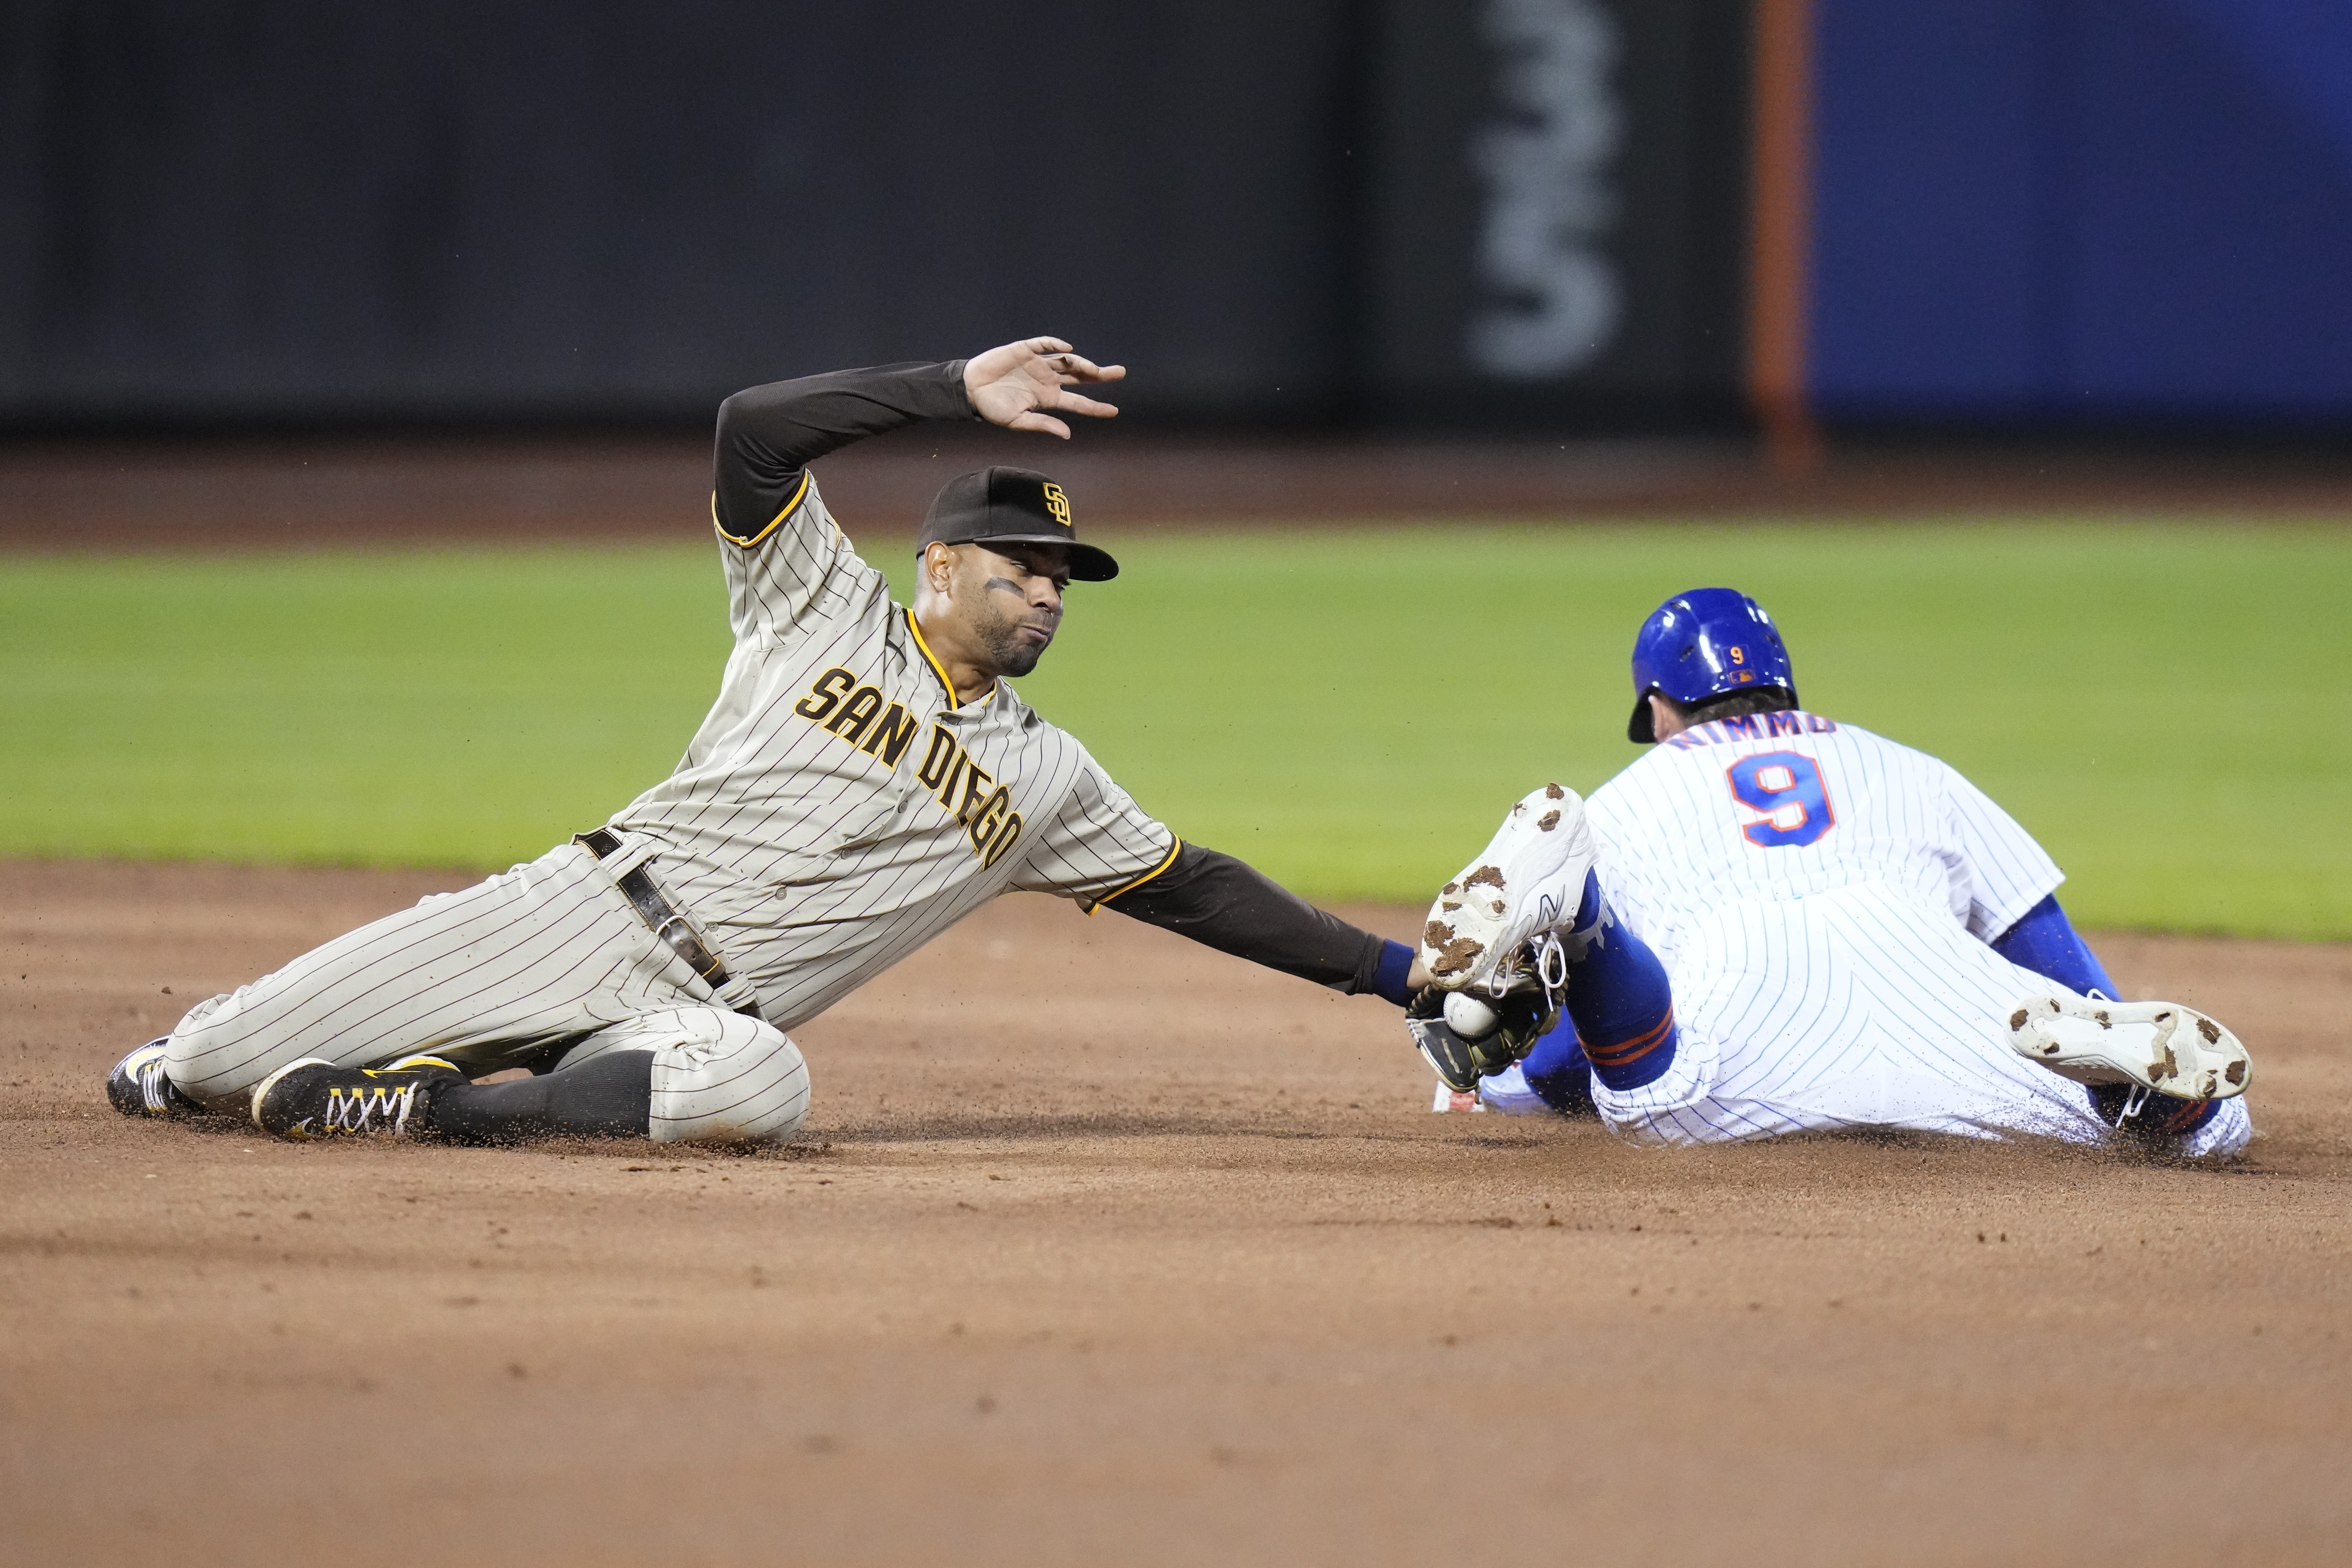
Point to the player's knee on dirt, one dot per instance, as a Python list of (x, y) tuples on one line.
[(717, 1077), (203, 1057), (750, 1085)]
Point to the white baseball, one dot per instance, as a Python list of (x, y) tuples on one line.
[(1468, 1016)]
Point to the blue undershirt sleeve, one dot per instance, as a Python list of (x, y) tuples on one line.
[(1388, 978), (2044, 941)]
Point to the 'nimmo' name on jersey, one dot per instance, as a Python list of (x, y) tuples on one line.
[(854, 711), (1750, 726)]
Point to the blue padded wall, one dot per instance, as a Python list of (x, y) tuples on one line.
[(2103, 211)]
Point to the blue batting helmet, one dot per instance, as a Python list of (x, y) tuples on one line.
[(1702, 644)]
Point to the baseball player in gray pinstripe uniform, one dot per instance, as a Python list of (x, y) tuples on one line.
[(866, 779)]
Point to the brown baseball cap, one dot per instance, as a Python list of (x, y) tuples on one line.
[(1011, 505)]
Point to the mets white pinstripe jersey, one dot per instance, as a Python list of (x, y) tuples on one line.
[(1823, 899)]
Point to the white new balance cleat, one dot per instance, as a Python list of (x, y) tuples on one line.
[(2162, 1047), (1529, 879)]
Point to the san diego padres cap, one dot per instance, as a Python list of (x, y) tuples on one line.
[(1011, 505)]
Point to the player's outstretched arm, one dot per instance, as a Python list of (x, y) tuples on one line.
[(768, 435), (1228, 904)]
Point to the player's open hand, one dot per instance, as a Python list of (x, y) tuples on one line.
[(1020, 386)]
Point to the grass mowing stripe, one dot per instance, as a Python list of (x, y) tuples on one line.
[(1351, 711), (402, 708)]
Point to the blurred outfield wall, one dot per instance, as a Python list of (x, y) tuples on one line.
[(2072, 210), (1525, 215), (284, 210)]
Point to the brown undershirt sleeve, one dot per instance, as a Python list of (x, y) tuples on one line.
[(769, 434), (1224, 903)]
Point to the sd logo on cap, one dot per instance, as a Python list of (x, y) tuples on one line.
[(1011, 505)]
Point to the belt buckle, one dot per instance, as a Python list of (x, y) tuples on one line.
[(683, 942), (674, 931)]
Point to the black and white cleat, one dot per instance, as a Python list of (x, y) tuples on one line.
[(140, 1087), (314, 1098)]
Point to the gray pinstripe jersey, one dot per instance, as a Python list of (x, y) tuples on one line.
[(837, 809)]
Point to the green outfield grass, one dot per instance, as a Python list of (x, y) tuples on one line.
[(2165, 706)]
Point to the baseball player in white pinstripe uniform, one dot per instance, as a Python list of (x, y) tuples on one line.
[(865, 779), (1775, 923)]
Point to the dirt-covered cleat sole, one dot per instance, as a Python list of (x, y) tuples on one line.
[(2161, 1047), (138, 1086), (314, 1098), (1531, 878)]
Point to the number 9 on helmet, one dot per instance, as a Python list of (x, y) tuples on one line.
[(1701, 644)]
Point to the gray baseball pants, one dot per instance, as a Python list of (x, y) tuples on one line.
[(487, 977)]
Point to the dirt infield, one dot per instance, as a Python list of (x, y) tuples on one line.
[(1101, 1247)]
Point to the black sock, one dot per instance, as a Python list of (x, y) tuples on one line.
[(611, 1097)]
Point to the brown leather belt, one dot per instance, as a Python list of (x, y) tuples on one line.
[(654, 908)]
